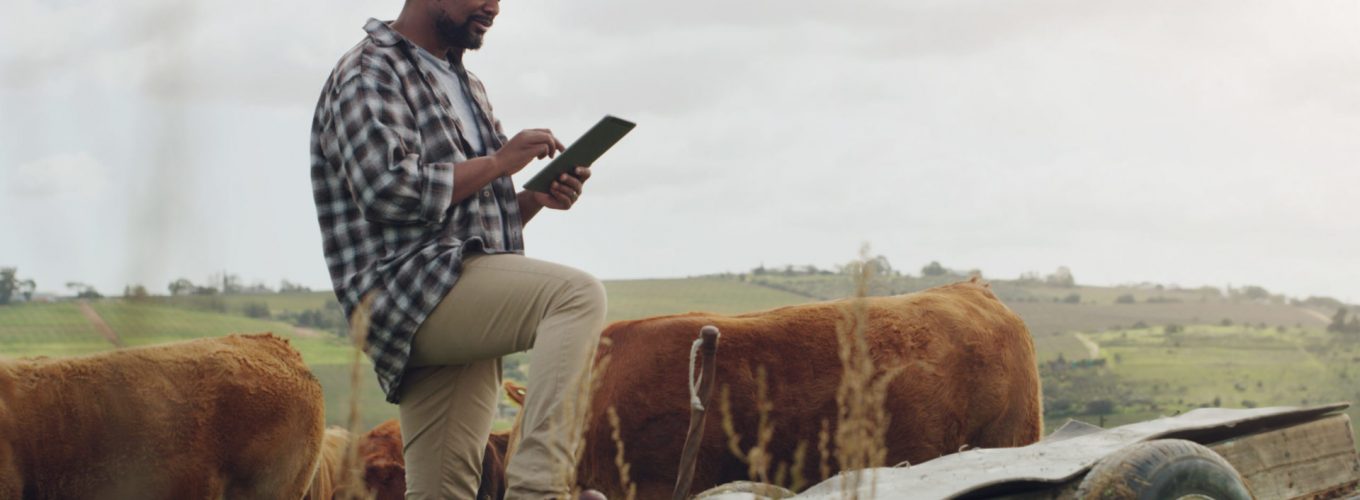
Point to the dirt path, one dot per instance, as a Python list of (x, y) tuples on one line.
[(100, 326), (1322, 317), (1092, 348)]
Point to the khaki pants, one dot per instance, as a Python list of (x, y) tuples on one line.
[(501, 304)]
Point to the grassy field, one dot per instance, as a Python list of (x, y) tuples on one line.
[(1267, 354), (236, 304), (59, 329), (1151, 372), (634, 299)]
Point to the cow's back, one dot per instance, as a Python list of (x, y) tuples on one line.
[(969, 377), (237, 416)]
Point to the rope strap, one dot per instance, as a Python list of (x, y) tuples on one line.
[(694, 402)]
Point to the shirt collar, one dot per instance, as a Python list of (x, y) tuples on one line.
[(382, 33)]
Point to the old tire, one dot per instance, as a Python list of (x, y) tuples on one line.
[(1163, 469), (739, 489)]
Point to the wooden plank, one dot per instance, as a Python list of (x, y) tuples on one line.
[(1301, 461)]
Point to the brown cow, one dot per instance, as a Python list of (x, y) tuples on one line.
[(232, 417), (969, 378)]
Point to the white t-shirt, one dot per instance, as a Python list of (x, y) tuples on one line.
[(462, 103)]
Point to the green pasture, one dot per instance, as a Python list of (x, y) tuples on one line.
[(1151, 372), (47, 330), (1266, 355), (278, 303), (632, 299)]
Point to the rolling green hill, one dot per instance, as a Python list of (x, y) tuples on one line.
[(1234, 352), (59, 329)]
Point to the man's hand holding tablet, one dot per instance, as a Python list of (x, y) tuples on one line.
[(582, 153), (559, 184)]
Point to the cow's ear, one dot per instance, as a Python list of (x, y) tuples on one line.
[(516, 392)]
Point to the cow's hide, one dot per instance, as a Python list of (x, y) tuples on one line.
[(232, 417), (969, 377)]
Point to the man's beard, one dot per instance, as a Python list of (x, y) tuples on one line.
[(457, 35)]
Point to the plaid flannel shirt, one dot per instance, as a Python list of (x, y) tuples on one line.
[(384, 142)]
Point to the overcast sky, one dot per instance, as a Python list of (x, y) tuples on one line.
[(1197, 143)]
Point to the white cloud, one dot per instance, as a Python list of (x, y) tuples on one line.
[(60, 175), (1129, 140)]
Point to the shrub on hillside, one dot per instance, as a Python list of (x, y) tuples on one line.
[(257, 309), (1125, 299)]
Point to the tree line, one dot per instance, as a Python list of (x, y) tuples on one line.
[(1340, 324)]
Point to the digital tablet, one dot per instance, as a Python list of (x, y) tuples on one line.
[(581, 153)]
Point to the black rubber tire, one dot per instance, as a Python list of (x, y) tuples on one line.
[(1165, 469)]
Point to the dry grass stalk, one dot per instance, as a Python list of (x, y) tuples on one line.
[(619, 460), (799, 461), (824, 449), (349, 484), (862, 422), (758, 459), (587, 385)]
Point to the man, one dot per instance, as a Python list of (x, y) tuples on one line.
[(411, 178)]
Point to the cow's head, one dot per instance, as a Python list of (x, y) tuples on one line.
[(384, 466)]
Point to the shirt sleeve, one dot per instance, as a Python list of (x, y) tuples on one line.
[(375, 131)]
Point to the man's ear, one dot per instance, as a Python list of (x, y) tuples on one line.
[(515, 391)]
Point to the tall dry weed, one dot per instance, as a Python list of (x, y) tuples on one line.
[(861, 420), (620, 458), (588, 384), (349, 482), (758, 458)]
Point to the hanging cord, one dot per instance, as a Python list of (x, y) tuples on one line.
[(694, 402)]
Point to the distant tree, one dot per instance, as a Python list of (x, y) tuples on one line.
[(1322, 302), (83, 291), (181, 286), (1124, 299), (1252, 292), (881, 266), (1339, 320), (1173, 328), (934, 269), (878, 266), (204, 290), (257, 309), (1062, 278), (286, 286), (257, 287), (135, 292), (1354, 325), (9, 284), (230, 283), (26, 289), (1226, 322), (1072, 298)]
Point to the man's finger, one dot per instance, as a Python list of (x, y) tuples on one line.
[(583, 173), (558, 188), (572, 182)]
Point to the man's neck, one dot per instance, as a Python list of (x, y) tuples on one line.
[(420, 31)]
